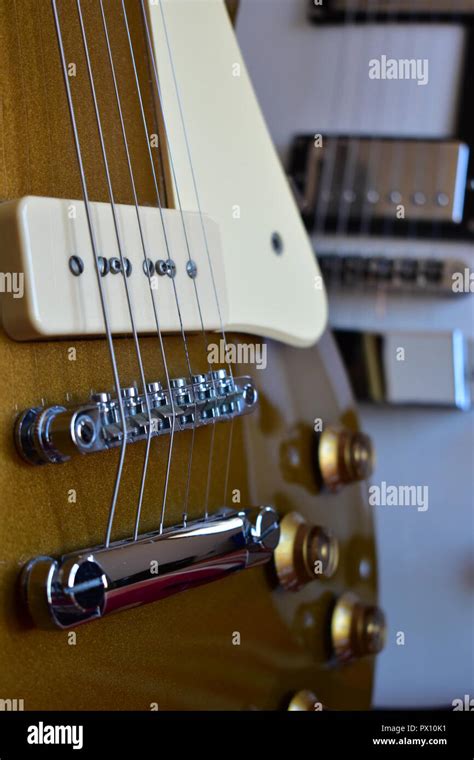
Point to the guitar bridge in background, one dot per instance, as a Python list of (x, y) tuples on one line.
[(53, 434)]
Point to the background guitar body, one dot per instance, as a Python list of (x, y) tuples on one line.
[(332, 94), (179, 653)]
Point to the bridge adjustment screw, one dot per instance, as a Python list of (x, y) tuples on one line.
[(101, 397), (130, 392), (153, 387)]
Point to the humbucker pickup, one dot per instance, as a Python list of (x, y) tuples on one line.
[(352, 179), (405, 10), (54, 434)]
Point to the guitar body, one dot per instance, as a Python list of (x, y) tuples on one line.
[(239, 643)]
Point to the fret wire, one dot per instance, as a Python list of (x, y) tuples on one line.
[(92, 237)]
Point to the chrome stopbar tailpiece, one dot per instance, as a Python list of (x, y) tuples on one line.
[(90, 584), (54, 434)]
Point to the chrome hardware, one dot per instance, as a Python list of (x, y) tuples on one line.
[(89, 584), (410, 368), (448, 159), (398, 275), (56, 433)]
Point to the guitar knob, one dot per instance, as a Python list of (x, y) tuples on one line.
[(304, 701), (305, 552), (357, 629), (344, 457)]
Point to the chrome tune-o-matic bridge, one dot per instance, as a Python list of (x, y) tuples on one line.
[(53, 434), (92, 583)]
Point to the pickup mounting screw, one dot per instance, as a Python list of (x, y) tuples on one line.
[(277, 243), (76, 265)]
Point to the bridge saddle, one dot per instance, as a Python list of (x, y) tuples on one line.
[(56, 433)]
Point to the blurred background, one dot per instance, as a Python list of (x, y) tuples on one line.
[(369, 105)]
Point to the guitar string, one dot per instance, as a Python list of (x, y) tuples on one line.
[(93, 241), (166, 241), (373, 150), (188, 249), (146, 257), (441, 171), (330, 154), (205, 238), (367, 213), (120, 247), (398, 160), (354, 144)]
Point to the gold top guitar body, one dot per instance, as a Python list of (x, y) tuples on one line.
[(244, 642)]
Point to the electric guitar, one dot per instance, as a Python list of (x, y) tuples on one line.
[(184, 520)]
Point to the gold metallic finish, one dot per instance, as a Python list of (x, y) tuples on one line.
[(344, 457), (176, 653), (357, 629), (305, 552), (304, 701)]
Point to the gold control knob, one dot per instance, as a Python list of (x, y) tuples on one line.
[(305, 701), (304, 552), (344, 457), (357, 629)]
